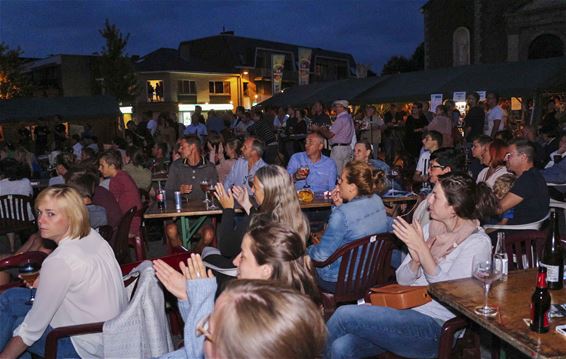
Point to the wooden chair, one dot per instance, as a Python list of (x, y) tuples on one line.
[(121, 239), (16, 261), (106, 232), (62, 332), (362, 266)]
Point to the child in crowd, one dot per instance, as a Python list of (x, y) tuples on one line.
[(502, 185)]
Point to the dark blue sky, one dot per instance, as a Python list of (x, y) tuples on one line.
[(371, 30)]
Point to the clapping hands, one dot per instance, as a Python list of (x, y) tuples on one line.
[(176, 282)]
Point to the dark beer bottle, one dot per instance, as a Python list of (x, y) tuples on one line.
[(540, 304), (552, 257)]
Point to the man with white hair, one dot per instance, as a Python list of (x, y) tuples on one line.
[(340, 134)]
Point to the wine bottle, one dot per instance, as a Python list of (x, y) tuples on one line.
[(500, 256), (540, 304), (552, 257)]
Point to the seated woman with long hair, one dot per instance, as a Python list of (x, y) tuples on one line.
[(275, 195), (440, 251), (80, 282), (269, 251), (358, 212)]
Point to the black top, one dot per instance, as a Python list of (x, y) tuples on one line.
[(320, 119), (531, 187), (231, 234), (263, 130), (475, 119)]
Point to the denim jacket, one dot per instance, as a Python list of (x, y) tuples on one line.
[(353, 220)]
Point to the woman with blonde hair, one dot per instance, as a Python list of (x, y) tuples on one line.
[(358, 212), (70, 284), (277, 201), (271, 253)]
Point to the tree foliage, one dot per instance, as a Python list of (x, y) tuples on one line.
[(116, 67), (12, 82), (398, 64)]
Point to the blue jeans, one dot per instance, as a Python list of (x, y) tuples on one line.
[(364, 331), (12, 313)]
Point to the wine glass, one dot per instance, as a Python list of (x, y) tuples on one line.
[(212, 190), (391, 175), (204, 186), (486, 271), (29, 271)]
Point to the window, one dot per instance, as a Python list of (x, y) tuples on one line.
[(187, 87), (545, 46), (154, 90), (219, 87), (461, 47)]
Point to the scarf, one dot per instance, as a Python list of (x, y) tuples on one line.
[(441, 242)]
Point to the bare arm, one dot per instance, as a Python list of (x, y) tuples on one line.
[(509, 201), (495, 127), (14, 348)]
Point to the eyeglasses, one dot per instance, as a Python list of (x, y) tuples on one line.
[(437, 166), (202, 328)]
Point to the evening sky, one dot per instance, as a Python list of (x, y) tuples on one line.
[(371, 30)]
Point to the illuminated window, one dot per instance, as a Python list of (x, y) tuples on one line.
[(219, 87), (154, 91), (186, 87)]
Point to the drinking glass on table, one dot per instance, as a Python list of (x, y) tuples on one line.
[(486, 271), (212, 190), (204, 186), (391, 175), (185, 191), (29, 271)]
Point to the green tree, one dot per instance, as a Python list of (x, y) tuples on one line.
[(398, 64), (116, 67), (12, 82)]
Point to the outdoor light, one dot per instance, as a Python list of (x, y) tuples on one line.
[(245, 72)]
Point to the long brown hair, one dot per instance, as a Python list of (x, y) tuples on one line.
[(285, 251), (281, 203)]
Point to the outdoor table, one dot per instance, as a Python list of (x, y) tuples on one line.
[(196, 211), (513, 297)]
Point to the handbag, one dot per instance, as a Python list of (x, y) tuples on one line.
[(399, 296)]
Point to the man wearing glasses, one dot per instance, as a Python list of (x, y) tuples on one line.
[(529, 195)]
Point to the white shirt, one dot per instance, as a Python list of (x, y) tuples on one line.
[(502, 170), (457, 264), (77, 150), (422, 164), (80, 283), (492, 115)]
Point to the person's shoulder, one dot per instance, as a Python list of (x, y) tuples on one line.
[(297, 155)]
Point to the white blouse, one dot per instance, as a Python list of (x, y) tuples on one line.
[(80, 283)]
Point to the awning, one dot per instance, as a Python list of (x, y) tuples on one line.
[(32, 108)]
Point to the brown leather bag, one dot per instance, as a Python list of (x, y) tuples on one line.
[(399, 296)]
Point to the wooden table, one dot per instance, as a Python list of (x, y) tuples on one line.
[(513, 298), (197, 212)]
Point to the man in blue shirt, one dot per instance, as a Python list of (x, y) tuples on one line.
[(322, 170), (246, 166)]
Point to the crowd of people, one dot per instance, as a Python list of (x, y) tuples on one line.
[(472, 169)]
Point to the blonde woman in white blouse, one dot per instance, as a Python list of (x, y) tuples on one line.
[(79, 283)]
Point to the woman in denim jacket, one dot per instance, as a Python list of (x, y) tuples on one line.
[(358, 212)]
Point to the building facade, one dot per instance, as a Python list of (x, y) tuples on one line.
[(463, 32)]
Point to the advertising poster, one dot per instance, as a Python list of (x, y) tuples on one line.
[(482, 95), (459, 96), (278, 62), (435, 100), (304, 65)]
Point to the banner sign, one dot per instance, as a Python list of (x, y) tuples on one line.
[(482, 95), (278, 63), (304, 65), (435, 100), (459, 96)]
